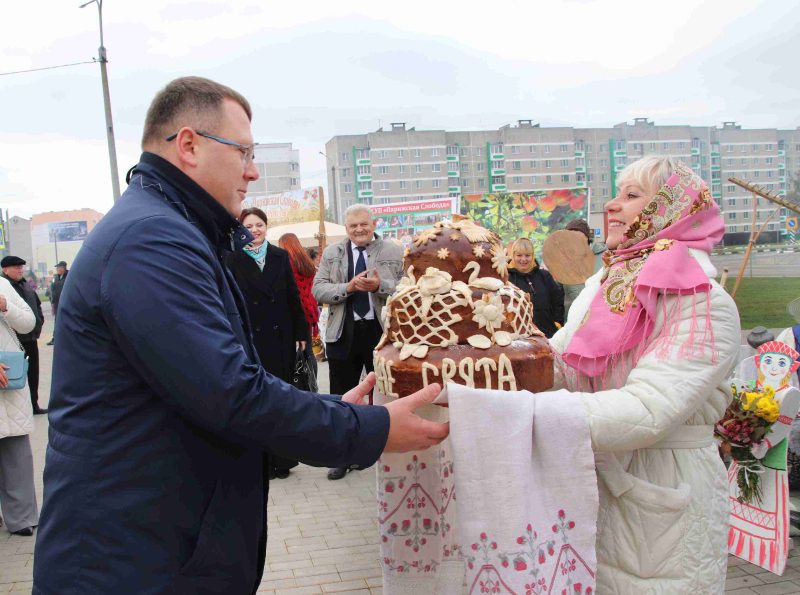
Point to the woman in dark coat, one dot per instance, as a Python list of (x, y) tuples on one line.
[(547, 294), (279, 327)]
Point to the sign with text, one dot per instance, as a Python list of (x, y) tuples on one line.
[(67, 231), (402, 220), (295, 206)]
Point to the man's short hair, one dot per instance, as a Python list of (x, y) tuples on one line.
[(188, 101), (581, 226), (357, 208)]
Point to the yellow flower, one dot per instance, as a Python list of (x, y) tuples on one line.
[(769, 392), (747, 400)]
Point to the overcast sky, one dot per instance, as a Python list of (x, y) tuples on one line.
[(316, 69)]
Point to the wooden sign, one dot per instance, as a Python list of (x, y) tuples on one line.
[(567, 256)]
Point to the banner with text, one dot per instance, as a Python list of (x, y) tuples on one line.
[(402, 220), (534, 214), (294, 206)]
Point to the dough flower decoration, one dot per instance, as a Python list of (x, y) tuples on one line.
[(488, 312), (499, 259)]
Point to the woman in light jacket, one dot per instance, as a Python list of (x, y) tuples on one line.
[(17, 495), (649, 342)]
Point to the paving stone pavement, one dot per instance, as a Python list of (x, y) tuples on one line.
[(323, 534)]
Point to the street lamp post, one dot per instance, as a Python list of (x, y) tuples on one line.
[(335, 203), (112, 149)]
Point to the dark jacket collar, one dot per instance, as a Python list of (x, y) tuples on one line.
[(20, 283), (197, 205)]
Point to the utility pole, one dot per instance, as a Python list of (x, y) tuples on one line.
[(112, 149)]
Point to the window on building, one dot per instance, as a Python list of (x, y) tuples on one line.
[(517, 179), (362, 153), (417, 184), (547, 148), (743, 161), (348, 188), (547, 164), (731, 202), (602, 148), (620, 145), (768, 147), (481, 182), (564, 163), (436, 167), (294, 181), (418, 168), (769, 160), (746, 202), (435, 152), (402, 169), (603, 177), (478, 166), (548, 179), (515, 149), (731, 216), (604, 192), (417, 153), (464, 183), (565, 177), (756, 173), (344, 172), (769, 173), (401, 153), (533, 180), (363, 170), (730, 188), (516, 164), (532, 149), (382, 154), (465, 166), (729, 148), (382, 169), (563, 148), (478, 151), (384, 185), (437, 183), (403, 184), (452, 150), (746, 215)]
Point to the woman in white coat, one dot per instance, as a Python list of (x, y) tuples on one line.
[(649, 342), (17, 495)]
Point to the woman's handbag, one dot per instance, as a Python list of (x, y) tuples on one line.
[(16, 363), (303, 376)]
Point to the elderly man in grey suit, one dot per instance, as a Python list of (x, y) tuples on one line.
[(355, 278)]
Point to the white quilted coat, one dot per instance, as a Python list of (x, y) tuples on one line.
[(663, 518), (16, 411)]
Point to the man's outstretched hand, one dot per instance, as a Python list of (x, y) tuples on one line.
[(355, 396), (407, 430)]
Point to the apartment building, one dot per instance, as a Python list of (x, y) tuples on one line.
[(402, 163), (278, 167)]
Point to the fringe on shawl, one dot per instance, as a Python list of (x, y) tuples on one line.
[(663, 341)]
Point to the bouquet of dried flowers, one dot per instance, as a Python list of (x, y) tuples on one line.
[(747, 420)]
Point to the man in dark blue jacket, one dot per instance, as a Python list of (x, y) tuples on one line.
[(160, 413)]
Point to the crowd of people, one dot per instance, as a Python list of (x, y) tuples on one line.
[(173, 404)]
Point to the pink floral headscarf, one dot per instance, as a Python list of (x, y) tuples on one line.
[(653, 260)]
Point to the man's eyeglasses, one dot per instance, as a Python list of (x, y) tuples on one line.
[(247, 151)]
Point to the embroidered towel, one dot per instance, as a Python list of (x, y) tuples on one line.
[(417, 518), (526, 491)]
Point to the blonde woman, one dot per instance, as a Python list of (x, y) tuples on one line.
[(546, 294), (649, 344)]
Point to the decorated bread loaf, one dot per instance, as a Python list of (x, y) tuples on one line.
[(456, 318)]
